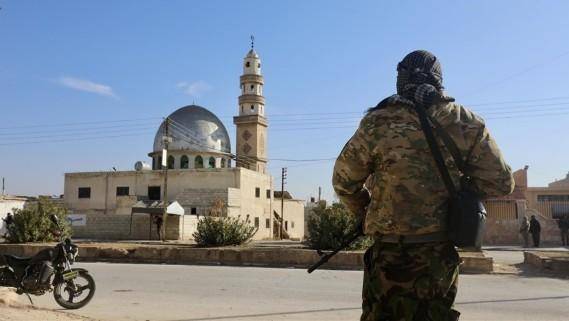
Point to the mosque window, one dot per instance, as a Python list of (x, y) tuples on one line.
[(199, 162), (241, 108), (256, 222), (268, 193), (84, 192), (247, 64), (259, 65), (170, 162), (223, 163), (211, 162), (194, 211), (154, 193), (291, 224), (286, 225), (267, 223), (184, 162), (257, 192), (122, 190), (252, 107), (252, 87)]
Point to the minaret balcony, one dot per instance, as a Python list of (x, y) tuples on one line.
[(258, 79), (251, 99)]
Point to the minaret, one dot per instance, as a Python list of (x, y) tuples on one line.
[(251, 123)]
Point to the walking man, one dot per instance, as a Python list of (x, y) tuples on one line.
[(564, 229), (411, 271), (158, 222), (524, 231), (535, 230), (8, 221)]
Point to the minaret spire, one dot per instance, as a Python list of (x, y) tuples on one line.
[(250, 121)]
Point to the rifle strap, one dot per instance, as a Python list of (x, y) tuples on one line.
[(435, 150)]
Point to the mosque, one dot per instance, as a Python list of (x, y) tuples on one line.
[(201, 175)]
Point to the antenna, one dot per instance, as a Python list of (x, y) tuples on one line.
[(252, 42)]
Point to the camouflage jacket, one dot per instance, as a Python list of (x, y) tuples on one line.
[(404, 193)]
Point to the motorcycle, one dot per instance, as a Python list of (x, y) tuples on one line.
[(49, 270)]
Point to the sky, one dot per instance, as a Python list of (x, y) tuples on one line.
[(84, 84)]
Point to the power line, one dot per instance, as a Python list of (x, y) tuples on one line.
[(80, 123), (72, 139)]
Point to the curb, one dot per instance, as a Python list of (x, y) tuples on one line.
[(550, 261), (473, 262)]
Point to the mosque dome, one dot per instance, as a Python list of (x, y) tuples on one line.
[(196, 129)]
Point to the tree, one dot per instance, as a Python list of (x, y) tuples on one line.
[(33, 223), (330, 226)]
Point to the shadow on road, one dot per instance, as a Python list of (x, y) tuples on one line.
[(227, 317), (515, 300)]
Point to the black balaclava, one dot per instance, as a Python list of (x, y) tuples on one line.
[(417, 68)]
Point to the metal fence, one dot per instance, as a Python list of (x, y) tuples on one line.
[(501, 209), (553, 209)]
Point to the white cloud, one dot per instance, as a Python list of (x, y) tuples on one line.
[(194, 89), (87, 85)]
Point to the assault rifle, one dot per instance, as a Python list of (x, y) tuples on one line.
[(325, 257)]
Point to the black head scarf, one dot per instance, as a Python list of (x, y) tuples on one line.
[(417, 68)]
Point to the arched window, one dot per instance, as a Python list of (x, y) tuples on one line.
[(159, 165), (199, 162), (223, 163), (184, 162), (247, 64), (211, 162), (170, 162)]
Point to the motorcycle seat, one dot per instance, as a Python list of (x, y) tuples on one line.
[(17, 260)]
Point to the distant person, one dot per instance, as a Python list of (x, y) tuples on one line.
[(535, 230), (524, 231), (411, 271), (158, 221), (8, 221), (563, 224)]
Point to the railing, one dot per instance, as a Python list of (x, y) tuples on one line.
[(552, 209), (501, 209)]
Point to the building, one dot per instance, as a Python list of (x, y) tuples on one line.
[(201, 171), (548, 204)]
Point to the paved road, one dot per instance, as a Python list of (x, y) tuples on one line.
[(180, 293)]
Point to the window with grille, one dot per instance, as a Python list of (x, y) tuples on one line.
[(84, 192), (122, 190)]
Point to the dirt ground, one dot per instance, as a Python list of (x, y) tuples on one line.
[(12, 310)]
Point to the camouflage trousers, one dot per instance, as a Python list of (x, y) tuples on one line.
[(410, 282)]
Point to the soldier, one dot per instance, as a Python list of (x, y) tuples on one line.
[(411, 271), (535, 230)]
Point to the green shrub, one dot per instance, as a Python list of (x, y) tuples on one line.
[(33, 223), (329, 227), (220, 231)]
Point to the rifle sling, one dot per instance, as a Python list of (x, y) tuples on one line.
[(435, 150)]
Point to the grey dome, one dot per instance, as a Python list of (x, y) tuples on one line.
[(195, 129)]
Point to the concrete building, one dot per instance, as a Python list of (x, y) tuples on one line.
[(200, 173), (548, 204)]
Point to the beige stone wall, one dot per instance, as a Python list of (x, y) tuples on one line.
[(293, 217), (117, 227), (7, 205), (193, 188)]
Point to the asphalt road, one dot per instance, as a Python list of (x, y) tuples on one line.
[(171, 292)]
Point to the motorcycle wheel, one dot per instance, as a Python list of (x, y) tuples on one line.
[(71, 294)]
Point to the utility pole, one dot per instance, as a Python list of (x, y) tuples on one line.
[(166, 139), (319, 193), (283, 179), (3, 186)]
